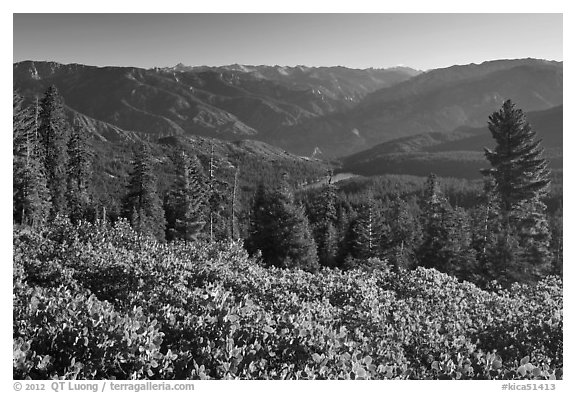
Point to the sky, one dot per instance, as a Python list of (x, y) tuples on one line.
[(421, 41)]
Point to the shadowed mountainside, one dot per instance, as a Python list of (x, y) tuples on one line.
[(439, 101), (226, 102), (457, 154)]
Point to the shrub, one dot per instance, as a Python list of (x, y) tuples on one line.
[(101, 302)]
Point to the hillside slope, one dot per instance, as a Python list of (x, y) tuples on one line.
[(457, 154), (436, 101), (224, 102)]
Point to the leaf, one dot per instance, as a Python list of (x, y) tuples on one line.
[(521, 370), (368, 360), (525, 360), (536, 372), (496, 364), (389, 372), (435, 365), (317, 358), (25, 347)]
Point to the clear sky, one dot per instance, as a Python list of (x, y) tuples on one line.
[(421, 41)]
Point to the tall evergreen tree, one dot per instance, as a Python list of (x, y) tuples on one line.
[(186, 201), (218, 194), (458, 256), (366, 231), (234, 227), (53, 132), (522, 179), (142, 204), (404, 235), (31, 202), (80, 157), (447, 239), (214, 197), (281, 230), (486, 233), (325, 229), (260, 238), (436, 210), (556, 242)]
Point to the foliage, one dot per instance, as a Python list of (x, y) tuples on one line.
[(185, 203), (94, 301), (53, 132), (521, 180), (142, 204), (446, 243), (280, 230), (324, 229), (79, 173), (31, 199)]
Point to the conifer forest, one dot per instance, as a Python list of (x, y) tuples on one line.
[(146, 248)]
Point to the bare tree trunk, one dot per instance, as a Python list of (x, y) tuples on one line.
[(234, 202), (211, 179)]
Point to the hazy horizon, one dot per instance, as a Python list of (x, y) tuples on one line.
[(360, 41), (281, 65)]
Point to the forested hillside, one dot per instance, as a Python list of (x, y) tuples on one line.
[(452, 154)]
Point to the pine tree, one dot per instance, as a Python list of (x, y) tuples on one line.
[(522, 179), (259, 237), (80, 158), (142, 204), (213, 194), (325, 232), (31, 199), (280, 230), (344, 217), (403, 236), (436, 211), (366, 231), (486, 233), (556, 243), (53, 132), (186, 201), (234, 230), (218, 190), (457, 255), (447, 238)]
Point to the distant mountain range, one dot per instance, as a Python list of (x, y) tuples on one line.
[(320, 112), (435, 101), (456, 154), (230, 102)]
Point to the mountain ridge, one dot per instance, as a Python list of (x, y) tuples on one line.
[(300, 109), (226, 104), (438, 100)]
